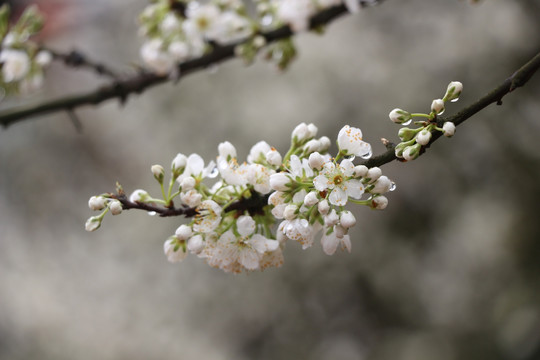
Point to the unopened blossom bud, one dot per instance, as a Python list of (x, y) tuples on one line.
[(323, 207), (312, 146), (300, 133), (382, 185), (15, 64), (43, 58), (316, 161), (195, 244), (93, 223), (188, 183), (325, 143), (399, 149), (159, 172), (453, 91), (280, 181), (340, 231), (449, 129), (227, 150), (373, 174), (406, 134), (347, 219), (116, 207), (423, 137), (379, 202), (183, 232), (360, 171), (400, 116), (437, 106), (178, 164), (312, 130), (169, 248), (273, 157), (138, 195), (311, 199), (97, 203), (290, 212), (411, 152), (331, 219)]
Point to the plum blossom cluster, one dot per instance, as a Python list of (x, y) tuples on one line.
[(178, 30), (21, 61), (243, 220), (413, 140)]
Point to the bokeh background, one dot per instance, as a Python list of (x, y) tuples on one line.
[(450, 270)]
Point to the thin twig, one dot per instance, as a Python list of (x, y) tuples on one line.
[(78, 60)]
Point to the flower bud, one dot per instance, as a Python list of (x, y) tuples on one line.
[(169, 248), (325, 143), (316, 161), (183, 232), (138, 195), (379, 202), (188, 183), (423, 137), (323, 207), (227, 150), (273, 157), (312, 146), (340, 231), (178, 164), (312, 130), (290, 212), (300, 133), (411, 152), (93, 223), (360, 171), (373, 174), (97, 203), (43, 58), (331, 219), (159, 172), (400, 116), (437, 106), (116, 207), (453, 91), (195, 244), (406, 134), (347, 219), (280, 181), (311, 199), (399, 149), (382, 185), (449, 129)]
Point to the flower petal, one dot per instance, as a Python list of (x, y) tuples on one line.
[(338, 197), (354, 188)]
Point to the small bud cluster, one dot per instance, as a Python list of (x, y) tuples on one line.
[(21, 61), (180, 30), (232, 228), (413, 140)]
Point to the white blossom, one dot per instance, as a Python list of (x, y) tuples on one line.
[(191, 198), (116, 207), (347, 219), (15, 64), (296, 13), (349, 141), (273, 157), (280, 181), (423, 137), (437, 106), (93, 223), (337, 179), (183, 232), (449, 129), (138, 195), (169, 250), (97, 203), (258, 152), (208, 217)]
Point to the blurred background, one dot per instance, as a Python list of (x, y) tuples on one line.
[(450, 270)]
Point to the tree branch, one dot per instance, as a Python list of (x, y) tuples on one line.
[(77, 59), (121, 88)]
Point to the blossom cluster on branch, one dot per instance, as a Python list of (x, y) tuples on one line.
[(21, 60), (234, 222)]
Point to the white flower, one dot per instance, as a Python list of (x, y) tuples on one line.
[(316, 161), (43, 58), (191, 198), (423, 137), (312, 146), (449, 129), (360, 171), (93, 223), (277, 200), (289, 212), (245, 225), (303, 132), (323, 207), (379, 202), (229, 28), (179, 50), (300, 230), (226, 150), (259, 176), (116, 207), (179, 162), (231, 172), (373, 174), (296, 13), (280, 181), (188, 183), (437, 106), (183, 232), (138, 195), (350, 142), (347, 219), (158, 60), (202, 18), (208, 217), (300, 168), (311, 199), (331, 241), (382, 185), (338, 180), (325, 143), (195, 167), (331, 219), (273, 157), (169, 250), (258, 152), (97, 203), (16, 65), (195, 244), (453, 91), (170, 24)]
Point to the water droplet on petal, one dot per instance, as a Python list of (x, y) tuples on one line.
[(367, 155), (454, 100), (213, 173), (392, 187), (152, 213), (441, 112), (406, 122)]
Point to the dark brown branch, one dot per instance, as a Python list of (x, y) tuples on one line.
[(162, 211), (516, 80), (78, 60), (121, 89)]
